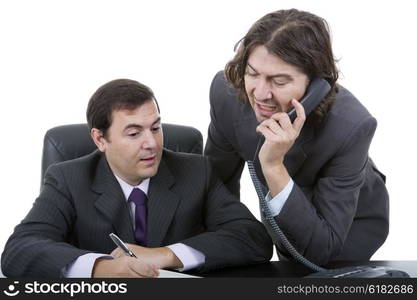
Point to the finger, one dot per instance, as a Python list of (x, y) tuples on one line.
[(143, 269), (272, 125), (283, 119), (136, 249), (301, 117), (267, 132), (155, 270), (116, 253), (280, 137)]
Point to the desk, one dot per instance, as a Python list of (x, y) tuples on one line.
[(295, 269)]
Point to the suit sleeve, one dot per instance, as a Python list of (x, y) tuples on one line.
[(233, 236), (38, 247), (318, 227), (223, 156)]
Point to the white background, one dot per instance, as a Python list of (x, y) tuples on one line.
[(55, 54)]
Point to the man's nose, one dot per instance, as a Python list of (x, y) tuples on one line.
[(149, 140), (262, 90)]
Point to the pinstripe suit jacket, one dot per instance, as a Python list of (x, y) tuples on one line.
[(338, 207), (81, 203)]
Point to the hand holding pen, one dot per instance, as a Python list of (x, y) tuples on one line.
[(161, 257), (121, 245), (124, 266)]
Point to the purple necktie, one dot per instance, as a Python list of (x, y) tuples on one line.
[(139, 198)]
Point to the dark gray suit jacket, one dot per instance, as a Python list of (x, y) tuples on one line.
[(338, 208), (81, 203)]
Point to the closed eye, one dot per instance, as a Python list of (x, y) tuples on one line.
[(251, 73), (133, 134), (279, 83)]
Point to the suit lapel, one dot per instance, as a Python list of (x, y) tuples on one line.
[(162, 204), (111, 202)]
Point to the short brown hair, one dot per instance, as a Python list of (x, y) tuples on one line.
[(116, 95), (297, 37)]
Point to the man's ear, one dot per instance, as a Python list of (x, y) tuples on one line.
[(98, 139)]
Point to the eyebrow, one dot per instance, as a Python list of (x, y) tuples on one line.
[(134, 125), (278, 75)]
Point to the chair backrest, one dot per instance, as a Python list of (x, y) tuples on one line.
[(67, 142)]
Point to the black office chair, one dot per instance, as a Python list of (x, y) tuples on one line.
[(67, 142)]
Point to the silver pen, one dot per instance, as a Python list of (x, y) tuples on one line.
[(119, 243)]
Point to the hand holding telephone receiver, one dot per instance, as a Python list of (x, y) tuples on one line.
[(315, 93)]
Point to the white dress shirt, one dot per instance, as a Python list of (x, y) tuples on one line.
[(275, 204), (83, 265)]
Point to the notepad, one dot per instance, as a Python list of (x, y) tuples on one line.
[(171, 274)]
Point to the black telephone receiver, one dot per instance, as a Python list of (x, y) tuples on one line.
[(315, 93)]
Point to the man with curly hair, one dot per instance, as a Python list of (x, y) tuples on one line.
[(323, 190)]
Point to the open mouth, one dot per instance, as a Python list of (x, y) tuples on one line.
[(266, 109)]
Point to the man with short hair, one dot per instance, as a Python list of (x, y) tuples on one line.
[(169, 207), (325, 193)]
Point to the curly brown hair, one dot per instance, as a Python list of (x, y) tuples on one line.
[(297, 37)]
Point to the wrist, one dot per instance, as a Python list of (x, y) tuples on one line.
[(169, 259), (276, 177), (274, 169), (100, 268)]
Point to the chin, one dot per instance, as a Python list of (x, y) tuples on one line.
[(260, 118), (150, 173)]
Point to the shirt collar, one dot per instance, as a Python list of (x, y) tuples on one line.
[(127, 188)]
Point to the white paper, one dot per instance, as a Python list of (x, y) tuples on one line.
[(170, 274)]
